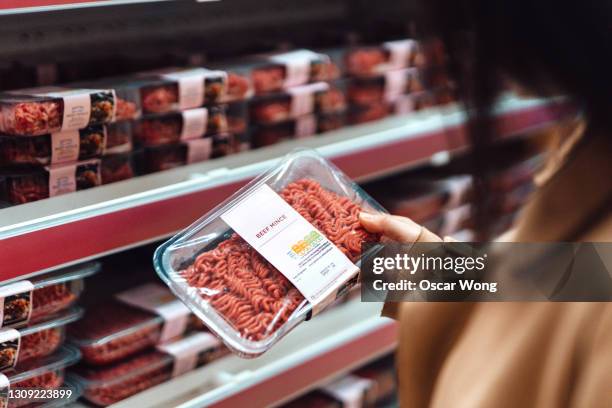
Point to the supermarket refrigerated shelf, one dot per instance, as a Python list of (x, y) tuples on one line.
[(331, 344), (43, 234)]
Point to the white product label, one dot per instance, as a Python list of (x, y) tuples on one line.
[(302, 98), (10, 341), (312, 263), (349, 390), (400, 52), (395, 84), (62, 180), (5, 386), (194, 123), (405, 104), (297, 64), (190, 86), (16, 303), (65, 146), (157, 299), (186, 351), (305, 126), (199, 149), (77, 109)]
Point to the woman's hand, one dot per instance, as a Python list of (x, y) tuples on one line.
[(396, 228)]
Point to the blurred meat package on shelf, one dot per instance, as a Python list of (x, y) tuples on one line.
[(39, 111), (112, 383), (65, 147), (318, 97), (199, 87), (168, 156), (425, 198), (35, 299), (24, 186), (386, 87), (152, 130), (55, 148), (279, 71), (138, 95), (38, 340), (45, 373), (376, 59), (117, 167), (298, 128), (130, 322)]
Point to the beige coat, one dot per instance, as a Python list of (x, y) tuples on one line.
[(521, 354)]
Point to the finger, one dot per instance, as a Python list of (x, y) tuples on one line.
[(399, 229)]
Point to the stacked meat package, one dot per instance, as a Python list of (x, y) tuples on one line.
[(33, 320), (56, 140), (442, 204), (52, 140), (395, 77), (135, 340), (188, 115), (298, 94)]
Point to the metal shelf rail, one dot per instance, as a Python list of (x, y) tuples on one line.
[(68, 229)]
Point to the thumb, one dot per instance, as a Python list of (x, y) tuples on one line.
[(396, 228)]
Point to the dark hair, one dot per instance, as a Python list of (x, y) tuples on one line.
[(548, 47)]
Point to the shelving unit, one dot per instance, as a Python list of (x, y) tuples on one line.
[(309, 356), (126, 214)]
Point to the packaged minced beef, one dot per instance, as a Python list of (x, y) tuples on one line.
[(117, 167), (139, 95), (373, 60), (318, 97), (17, 346), (169, 156), (152, 130), (131, 322), (38, 298), (65, 147), (110, 384), (277, 252), (386, 87), (39, 111), (272, 133), (44, 375), (55, 148), (285, 70), (24, 186), (196, 86)]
